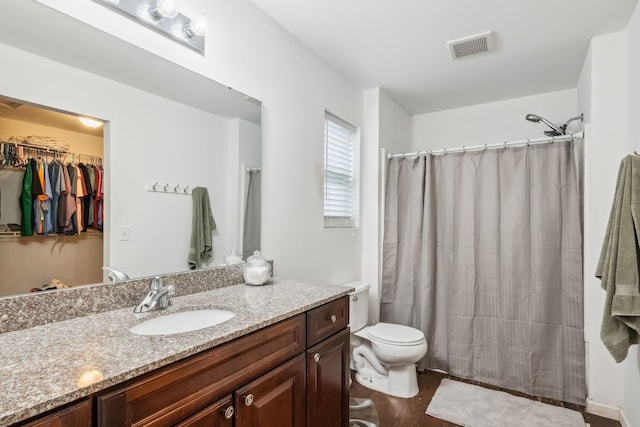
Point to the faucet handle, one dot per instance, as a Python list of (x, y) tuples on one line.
[(171, 289), (156, 283)]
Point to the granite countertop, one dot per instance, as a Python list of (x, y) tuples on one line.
[(40, 366)]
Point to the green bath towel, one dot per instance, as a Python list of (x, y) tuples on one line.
[(618, 266), (203, 225)]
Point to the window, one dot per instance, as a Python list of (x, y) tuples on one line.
[(340, 152)]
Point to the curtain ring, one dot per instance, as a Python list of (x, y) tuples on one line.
[(528, 142), (464, 150), (553, 139), (445, 151), (485, 148), (505, 145)]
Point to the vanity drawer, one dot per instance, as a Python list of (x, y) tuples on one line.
[(170, 395), (326, 320), (76, 415)]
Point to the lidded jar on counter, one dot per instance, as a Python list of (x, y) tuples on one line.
[(257, 271)]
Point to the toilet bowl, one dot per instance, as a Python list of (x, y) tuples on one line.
[(383, 355)]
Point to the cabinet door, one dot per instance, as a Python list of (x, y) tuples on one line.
[(328, 382), (276, 399), (77, 415), (218, 414)]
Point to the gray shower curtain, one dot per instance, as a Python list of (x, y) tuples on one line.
[(482, 252), (251, 226)]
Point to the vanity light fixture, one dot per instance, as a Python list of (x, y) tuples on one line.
[(90, 123), (164, 17)]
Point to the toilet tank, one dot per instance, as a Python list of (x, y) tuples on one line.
[(358, 305)]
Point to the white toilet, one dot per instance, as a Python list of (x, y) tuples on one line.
[(383, 355)]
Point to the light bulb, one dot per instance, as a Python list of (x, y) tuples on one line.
[(197, 27), (90, 123), (166, 9)]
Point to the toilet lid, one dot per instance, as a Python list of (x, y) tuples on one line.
[(395, 334)]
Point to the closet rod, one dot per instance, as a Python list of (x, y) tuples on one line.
[(483, 147), (49, 150)]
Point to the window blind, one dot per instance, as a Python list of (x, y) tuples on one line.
[(339, 137)]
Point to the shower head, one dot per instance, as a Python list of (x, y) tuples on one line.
[(556, 130)]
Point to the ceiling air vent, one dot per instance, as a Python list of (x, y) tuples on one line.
[(471, 45)]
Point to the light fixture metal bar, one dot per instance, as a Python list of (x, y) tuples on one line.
[(174, 28)]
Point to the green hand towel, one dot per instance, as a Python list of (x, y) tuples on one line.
[(618, 266), (203, 225)]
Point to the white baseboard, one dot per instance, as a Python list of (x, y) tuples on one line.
[(604, 410), (624, 420)]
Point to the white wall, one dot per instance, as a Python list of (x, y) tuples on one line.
[(249, 52), (387, 129), (492, 122), (159, 140), (604, 148), (631, 366)]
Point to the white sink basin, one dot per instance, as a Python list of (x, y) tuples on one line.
[(182, 321)]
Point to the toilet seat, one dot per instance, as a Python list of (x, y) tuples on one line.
[(399, 335)]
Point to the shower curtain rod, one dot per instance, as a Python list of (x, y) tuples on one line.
[(484, 147)]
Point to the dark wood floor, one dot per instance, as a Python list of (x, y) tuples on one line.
[(399, 412)]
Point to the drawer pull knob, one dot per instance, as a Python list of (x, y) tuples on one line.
[(228, 413), (333, 318), (248, 400), (316, 357)]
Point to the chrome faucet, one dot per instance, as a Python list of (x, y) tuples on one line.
[(157, 298)]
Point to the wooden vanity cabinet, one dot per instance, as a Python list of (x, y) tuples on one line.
[(294, 373)]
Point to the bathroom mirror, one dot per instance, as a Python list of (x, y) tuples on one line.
[(164, 124)]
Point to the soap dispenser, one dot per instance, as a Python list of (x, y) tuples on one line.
[(257, 271)]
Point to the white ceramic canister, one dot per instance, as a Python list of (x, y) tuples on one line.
[(257, 271)]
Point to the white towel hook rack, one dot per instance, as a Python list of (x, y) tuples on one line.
[(169, 188)]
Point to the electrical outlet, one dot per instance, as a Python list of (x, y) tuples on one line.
[(125, 233)]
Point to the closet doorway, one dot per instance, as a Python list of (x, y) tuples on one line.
[(62, 245)]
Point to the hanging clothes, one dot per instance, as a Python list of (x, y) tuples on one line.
[(71, 224), (67, 204), (26, 203), (86, 200), (54, 197), (81, 192), (98, 201), (57, 185), (46, 203)]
